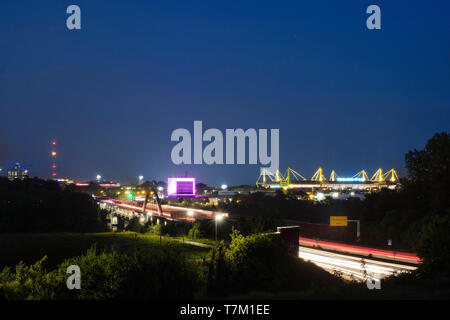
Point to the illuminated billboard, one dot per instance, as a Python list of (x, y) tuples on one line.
[(181, 187)]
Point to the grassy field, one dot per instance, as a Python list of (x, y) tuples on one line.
[(30, 248)]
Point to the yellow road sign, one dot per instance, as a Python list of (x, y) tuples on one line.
[(338, 221)]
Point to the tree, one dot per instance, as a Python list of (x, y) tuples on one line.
[(431, 164), (135, 225), (35, 205), (434, 245), (194, 232), (429, 174)]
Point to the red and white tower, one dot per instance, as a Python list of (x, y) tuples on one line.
[(54, 154)]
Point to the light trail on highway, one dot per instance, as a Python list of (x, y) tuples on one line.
[(351, 261), (374, 252), (351, 267), (168, 211)]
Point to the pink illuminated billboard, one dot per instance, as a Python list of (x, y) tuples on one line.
[(181, 187)]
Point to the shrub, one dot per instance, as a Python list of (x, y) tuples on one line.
[(259, 263), (162, 273), (194, 232)]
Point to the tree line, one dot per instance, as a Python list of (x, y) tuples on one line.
[(40, 206)]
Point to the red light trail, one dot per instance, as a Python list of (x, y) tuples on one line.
[(360, 250)]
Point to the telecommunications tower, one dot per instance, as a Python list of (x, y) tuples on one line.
[(54, 159)]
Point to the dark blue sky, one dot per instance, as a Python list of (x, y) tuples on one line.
[(343, 97)]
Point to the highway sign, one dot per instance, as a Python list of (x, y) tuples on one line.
[(338, 221)]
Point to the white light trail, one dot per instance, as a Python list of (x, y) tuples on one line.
[(349, 265)]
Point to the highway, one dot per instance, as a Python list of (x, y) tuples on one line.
[(352, 267), (169, 212), (363, 251), (350, 261)]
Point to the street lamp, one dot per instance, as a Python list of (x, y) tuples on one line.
[(98, 177), (224, 186), (190, 213), (140, 179), (217, 217)]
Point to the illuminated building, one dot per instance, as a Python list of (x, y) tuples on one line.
[(18, 172), (181, 187)]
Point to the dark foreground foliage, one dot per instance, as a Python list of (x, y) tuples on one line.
[(157, 274), (39, 206), (257, 263), (261, 263)]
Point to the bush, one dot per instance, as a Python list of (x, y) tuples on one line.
[(156, 229), (162, 273), (194, 232), (27, 282), (135, 225), (259, 263)]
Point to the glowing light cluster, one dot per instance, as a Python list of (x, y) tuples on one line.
[(53, 154), (351, 179), (181, 187)]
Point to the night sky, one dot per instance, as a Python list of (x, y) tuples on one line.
[(344, 97)]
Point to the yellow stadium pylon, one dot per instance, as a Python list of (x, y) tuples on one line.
[(362, 175), (333, 176), (264, 178), (292, 175), (378, 176), (318, 176), (391, 176)]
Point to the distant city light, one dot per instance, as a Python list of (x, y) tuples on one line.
[(99, 177), (320, 196), (219, 217), (190, 213), (335, 195), (224, 186), (160, 188), (355, 179), (141, 177), (82, 184), (109, 185)]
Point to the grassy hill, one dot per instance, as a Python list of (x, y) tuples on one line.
[(30, 248)]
